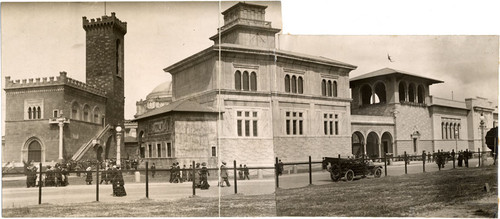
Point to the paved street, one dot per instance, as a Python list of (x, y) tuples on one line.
[(17, 197)]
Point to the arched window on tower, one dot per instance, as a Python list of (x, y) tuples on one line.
[(402, 92), (237, 80), (380, 92), (294, 84), (323, 87), (245, 81), (421, 94), (253, 81), (411, 93), (300, 85), (334, 88), (287, 83), (366, 94)]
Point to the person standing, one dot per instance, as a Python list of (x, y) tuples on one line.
[(460, 158), (153, 170), (88, 179), (246, 172), (240, 172), (280, 167), (172, 173), (423, 156), (184, 173), (429, 157), (189, 173), (466, 157), (204, 176), (224, 175)]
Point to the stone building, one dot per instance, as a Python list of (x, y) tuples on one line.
[(160, 96), (51, 119), (393, 112), (272, 102)]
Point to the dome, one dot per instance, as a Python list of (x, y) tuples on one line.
[(161, 91)]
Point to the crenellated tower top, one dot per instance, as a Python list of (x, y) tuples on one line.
[(104, 22)]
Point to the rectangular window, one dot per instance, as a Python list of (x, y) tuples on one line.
[(325, 126), (255, 127), (331, 128), (214, 151), (300, 127), (247, 114), (247, 128), (150, 149), (238, 113), (294, 127), (254, 114), (158, 149), (336, 127), (55, 113), (239, 126), (169, 150), (287, 127)]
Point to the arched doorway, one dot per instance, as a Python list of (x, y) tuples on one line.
[(387, 143), (99, 153), (358, 144), (35, 151), (372, 145)]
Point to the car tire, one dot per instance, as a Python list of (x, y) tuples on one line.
[(349, 175), (377, 173), (335, 173)]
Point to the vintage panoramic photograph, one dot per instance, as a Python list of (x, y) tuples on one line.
[(210, 109)]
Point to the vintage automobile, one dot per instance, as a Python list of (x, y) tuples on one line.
[(350, 168)]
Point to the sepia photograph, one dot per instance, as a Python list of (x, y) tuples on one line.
[(212, 109)]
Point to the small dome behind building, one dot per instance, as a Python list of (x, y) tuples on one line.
[(160, 96)]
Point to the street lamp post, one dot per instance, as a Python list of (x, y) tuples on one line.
[(481, 126), (118, 130)]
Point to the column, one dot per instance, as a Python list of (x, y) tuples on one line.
[(61, 127)]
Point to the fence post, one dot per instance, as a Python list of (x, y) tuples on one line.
[(479, 157), (310, 172), (194, 178), (385, 163), (276, 173), (423, 162), (40, 185), (453, 157), (339, 155), (97, 182), (147, 180), (235, 178), (406, 162)]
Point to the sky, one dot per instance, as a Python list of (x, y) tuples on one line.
[(42, 39)]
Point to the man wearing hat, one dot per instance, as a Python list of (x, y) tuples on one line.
[(224, 175), (204, 176)]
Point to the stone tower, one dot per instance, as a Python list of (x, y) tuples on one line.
[(104, 62)]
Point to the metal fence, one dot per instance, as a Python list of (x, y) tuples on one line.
[(278, 169)]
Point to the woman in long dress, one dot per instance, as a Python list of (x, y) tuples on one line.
[(89, 176)]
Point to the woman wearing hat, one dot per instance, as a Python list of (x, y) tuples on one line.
[(89, 176), (204, 176)]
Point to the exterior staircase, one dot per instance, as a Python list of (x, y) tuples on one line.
[(85, 147)]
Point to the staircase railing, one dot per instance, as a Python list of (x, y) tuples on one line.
[(86, 146)]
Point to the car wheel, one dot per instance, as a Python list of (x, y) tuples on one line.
[(349, 175), (378, 173), (335, 173)]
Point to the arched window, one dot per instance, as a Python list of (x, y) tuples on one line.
[(380, 92), (38, 113), (287, 83), (420, 94), (323, 87), (86, 113), (458, 131), (411, 93), (451, 130), (29, 113), (253, 81), (97, 114), (366, 93), (237, 80), (446, 130), (245, 81), (402, 92), (294, 84), (329, 88), (334, 88), (443, 130), (300, 85), (75, 111), (34, 151)]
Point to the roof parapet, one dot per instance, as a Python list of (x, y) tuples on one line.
[(62, 79), (103, 22)]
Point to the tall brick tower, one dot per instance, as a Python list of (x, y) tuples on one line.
[(104, 62)]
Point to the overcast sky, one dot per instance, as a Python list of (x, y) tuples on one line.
[(42, 39)]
